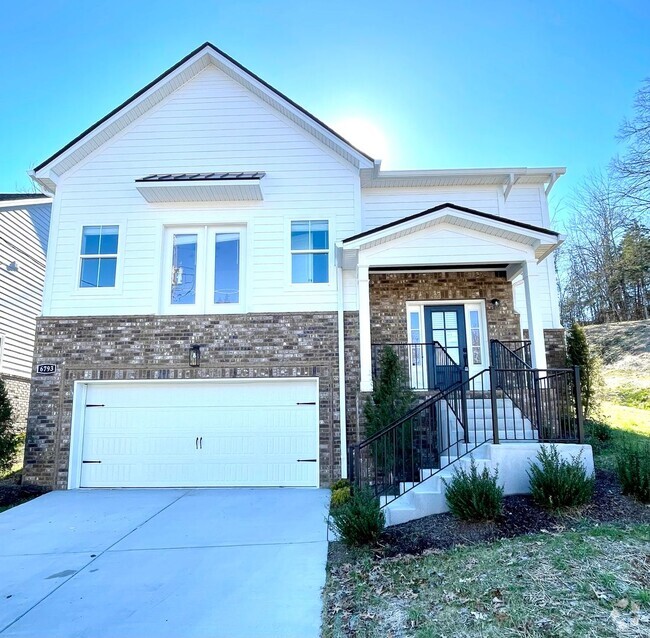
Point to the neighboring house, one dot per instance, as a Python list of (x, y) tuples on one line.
[(24, 227), (223, 267)]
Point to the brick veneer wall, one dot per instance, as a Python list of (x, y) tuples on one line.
[(154, 347), (555, 346), (18, 392), (390, 292)]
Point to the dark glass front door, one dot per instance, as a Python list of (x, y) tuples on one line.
[(446, 325)]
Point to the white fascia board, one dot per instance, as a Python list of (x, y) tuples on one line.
[(21, 203), (501, 175)]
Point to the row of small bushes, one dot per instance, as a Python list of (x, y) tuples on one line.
[(555, 483)]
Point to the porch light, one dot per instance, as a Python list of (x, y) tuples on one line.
[(495, 303), (195, 356)]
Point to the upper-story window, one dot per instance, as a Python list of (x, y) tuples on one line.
[(203, 269), (98, 256), (309, 252)]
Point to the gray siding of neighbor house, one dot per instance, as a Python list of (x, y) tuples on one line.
[(23, 245)]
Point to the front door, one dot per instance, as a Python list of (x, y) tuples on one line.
[(446, 326)]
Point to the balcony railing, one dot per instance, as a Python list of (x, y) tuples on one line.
[(428, 366)]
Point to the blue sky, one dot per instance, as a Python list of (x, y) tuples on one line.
[(446, 84)]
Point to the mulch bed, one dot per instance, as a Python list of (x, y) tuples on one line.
[(13, 493), (520, 516)]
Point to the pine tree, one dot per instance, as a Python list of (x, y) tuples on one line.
[(391, 395), (579, 354)]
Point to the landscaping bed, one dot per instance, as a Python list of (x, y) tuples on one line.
[(13, 493), (520, 516)]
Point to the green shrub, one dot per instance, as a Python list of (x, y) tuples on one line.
[(337, 485), (359, 521), (340, 496), (598, 430), (557, 483), (633, 467), (9, 437), (591, 379), (473, 495)]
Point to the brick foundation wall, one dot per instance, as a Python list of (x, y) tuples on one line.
[(555, 346), (390, 292), (154, 347), (18, 392)]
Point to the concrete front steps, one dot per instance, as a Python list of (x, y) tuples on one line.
[(512, 460)]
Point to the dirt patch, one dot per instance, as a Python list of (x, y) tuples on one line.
[(520, 516), (13, 493)]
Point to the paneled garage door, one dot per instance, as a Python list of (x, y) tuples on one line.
[(200, 433)]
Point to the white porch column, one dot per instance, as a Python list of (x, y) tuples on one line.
[(535, 328), (365, 353)]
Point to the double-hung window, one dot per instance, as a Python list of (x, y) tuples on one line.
[(98, 256), (309, 252), (204, 269)]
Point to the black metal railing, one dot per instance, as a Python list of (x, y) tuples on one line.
[(416, 446), (512, 374), (462, 418), (427, 366), (518, 347)]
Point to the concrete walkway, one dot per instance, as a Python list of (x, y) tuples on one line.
[(178, 563)]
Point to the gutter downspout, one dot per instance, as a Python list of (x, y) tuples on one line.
[(342, 401)]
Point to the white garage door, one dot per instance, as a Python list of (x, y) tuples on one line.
[(217, 434)]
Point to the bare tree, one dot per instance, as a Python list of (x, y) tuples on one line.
[(633, 168)]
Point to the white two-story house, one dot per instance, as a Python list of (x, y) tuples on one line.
[(224, 267)]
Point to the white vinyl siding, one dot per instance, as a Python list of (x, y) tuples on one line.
[(210, 124), (23, 240)]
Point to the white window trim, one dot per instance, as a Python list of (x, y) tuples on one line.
[(331, 268), (103, 291), (204, 296)]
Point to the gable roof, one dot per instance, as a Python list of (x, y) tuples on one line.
[(462, 209), (174, 77)]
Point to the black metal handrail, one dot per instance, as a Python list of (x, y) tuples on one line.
[(403, 454), (462, 418), (500, 351), (428, 365), (515, 380)]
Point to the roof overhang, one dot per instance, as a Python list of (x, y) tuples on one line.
[(541, 241), (48, 172), (201, 187), (25, 201), (505, 178)]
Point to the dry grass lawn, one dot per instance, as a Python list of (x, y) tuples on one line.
[(593, 582)]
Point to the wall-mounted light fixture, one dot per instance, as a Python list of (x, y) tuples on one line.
[(495, 303), (195, 356)]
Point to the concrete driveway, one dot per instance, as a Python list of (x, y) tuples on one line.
[(178, 563)]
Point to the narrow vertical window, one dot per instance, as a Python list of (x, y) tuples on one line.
[(184, 252), (309, 252), (475, 334), (98, 256), (226, 268)]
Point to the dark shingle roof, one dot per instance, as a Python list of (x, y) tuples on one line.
[(200, 177), (10, 197)]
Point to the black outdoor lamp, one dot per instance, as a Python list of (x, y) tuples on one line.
[(495, 303), (195, 356)]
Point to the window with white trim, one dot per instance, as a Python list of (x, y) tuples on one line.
[(310, 252), (203, 269), (98, 256)]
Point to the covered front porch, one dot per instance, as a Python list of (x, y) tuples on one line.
[(444, 278)]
